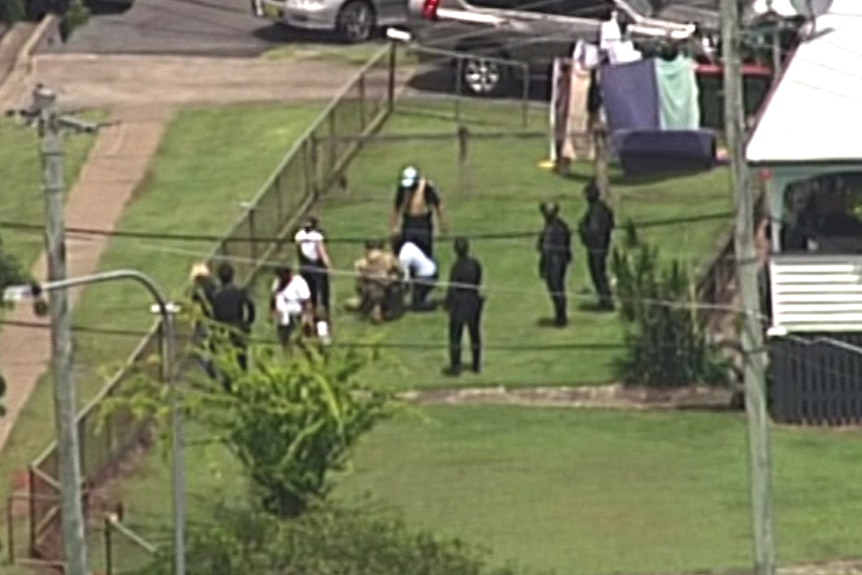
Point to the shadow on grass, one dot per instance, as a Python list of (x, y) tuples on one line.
[(439, 77), (286, 35), (623, 180)]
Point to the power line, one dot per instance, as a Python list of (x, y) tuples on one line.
[(487, 289), (80, 231), (338, 343)]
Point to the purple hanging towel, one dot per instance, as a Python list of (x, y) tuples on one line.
[(631, 97)]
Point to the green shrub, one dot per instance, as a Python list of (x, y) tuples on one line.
[(12, 11), (11, 270), (291, 422), (77, 15), (667, 336), (325, 541)]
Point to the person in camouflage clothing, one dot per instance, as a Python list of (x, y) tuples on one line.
[(379, 283)]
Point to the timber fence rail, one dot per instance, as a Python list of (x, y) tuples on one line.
[(308, 170)]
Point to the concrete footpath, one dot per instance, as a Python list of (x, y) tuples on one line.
[(117, 163)]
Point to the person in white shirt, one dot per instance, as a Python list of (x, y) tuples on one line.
[(314, 263), (291, 304), (422, 272)]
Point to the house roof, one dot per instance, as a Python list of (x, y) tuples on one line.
[(814, 114)]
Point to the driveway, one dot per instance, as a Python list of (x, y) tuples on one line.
[(179, 27), (110, 81)]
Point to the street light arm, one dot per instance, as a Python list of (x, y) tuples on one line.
[(177, 440), (109, 276)]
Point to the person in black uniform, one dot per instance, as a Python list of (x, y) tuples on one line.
[(416, 204), (555, 255), (235, 310), (595, 230), (464, 304)]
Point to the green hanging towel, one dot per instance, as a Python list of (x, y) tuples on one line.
[(679, 108)]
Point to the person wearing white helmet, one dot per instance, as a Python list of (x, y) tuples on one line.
[(416, 204)]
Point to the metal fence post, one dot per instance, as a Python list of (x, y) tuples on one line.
[(31, 506), (279, 199), (459, 72), (10, 529), (109, 553), (314, 160), (393, 68), (332, 144), (363, 120), (463, 158), (252, 232), (525, 96)]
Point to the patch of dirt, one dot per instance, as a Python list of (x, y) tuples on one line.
[(614, 396)]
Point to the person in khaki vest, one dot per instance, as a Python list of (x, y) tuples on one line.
[(379, 283), (416, 204)]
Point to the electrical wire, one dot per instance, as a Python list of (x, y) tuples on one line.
[(348, 344), (80, 231), (351, 273)]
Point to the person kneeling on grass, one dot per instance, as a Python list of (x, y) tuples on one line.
[(421, 271), (290, 304), (379, 284)]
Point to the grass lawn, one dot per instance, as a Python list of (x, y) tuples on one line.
[(577, 491), (498, 191), (189, 188), (22, 198)]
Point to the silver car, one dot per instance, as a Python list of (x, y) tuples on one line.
[(353, 20), (532, 33)]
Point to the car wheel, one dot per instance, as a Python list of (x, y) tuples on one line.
[(356, 22), (483, 77)]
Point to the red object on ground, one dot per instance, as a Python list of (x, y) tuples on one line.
[(747, 70)]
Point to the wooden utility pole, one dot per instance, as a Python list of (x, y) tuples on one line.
[(65, 398), (751, 335)]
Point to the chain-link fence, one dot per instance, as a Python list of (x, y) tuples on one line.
[(308, 170)]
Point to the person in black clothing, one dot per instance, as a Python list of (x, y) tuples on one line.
[(555, 249), (235, 310), (595, 230), (416, 204), (464, 304)]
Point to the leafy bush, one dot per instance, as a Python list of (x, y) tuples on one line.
[(289, 420), (667, 333), (76, 16), (326, 541), (11, 270), (12, 11)]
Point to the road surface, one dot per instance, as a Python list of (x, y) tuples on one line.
[(178, 27)]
